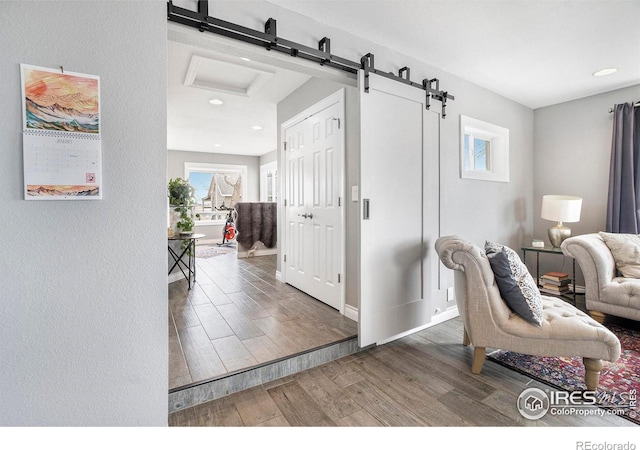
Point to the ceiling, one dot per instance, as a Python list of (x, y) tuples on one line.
[(537, 53), (249, 92)]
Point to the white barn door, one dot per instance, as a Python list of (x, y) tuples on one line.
[(399, 194)]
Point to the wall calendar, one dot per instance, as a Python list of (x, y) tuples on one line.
[(61, 134)]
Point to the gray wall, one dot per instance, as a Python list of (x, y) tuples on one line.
[(269, 157), (175, 169), (83, 283), (572, 152), (476, 210), (94, 331)]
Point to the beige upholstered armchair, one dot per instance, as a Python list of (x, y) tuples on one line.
[(605, 291), (490, 323)]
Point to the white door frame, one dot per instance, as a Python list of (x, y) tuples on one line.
[(264, 170), (336, 97)]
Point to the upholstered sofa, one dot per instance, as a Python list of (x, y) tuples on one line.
[(607, 292)]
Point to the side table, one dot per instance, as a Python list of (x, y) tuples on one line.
[(188, 251), (552, 251)]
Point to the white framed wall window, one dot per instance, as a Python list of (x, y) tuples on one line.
[(218, 187), (269, 182), (484, 150)]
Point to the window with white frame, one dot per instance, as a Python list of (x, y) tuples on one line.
[(218, 187), (269, 182), (484, 150)]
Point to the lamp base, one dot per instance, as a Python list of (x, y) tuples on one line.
[(558, 234)]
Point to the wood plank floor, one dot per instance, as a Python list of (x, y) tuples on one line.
[(421, 380), (238, 316)]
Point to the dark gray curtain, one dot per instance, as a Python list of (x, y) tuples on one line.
[(623, 206)]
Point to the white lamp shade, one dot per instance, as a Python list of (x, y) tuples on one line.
[(561, 208)]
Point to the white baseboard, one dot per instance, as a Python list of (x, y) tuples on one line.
[(279, 276), (439, 318), (351, 312), (259, 252), (175, 276), (444, 316)]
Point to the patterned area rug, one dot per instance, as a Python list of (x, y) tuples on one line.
[(619, 381), (209, 251)]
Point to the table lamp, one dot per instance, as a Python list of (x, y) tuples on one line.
[(560, 208)]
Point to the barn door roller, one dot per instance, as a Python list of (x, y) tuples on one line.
[(269, 40), (368, 65)]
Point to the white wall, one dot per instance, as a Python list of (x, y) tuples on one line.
[(83, 293), (572, 153)]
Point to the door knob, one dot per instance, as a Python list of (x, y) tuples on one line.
[(310, 216)]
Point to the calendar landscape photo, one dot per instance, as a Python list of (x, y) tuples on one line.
[(60, 101)]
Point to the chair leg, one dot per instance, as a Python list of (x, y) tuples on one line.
[(597, 316), (465, 339), (592, 368), (478, 359)]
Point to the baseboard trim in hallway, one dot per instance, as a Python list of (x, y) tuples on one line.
[(205, 391)]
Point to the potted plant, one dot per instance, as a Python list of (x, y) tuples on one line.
[(181, 204)]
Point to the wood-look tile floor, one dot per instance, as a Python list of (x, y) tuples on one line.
[(423, 379), (238, 316)]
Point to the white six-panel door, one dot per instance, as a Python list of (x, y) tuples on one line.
[(399, 170), (313, 237)]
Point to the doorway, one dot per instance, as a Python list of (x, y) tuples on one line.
[(313, 155), (241, 313)]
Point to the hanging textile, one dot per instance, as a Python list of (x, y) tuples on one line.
[(256, 222), (623, 204)]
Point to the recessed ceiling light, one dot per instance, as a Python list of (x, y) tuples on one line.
[(216, 101), (256, 127), (245, 59), (217, 145), (603, 72)]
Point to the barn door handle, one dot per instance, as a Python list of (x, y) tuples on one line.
[(365, 209)]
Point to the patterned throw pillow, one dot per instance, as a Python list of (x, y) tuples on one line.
[(625, 249), (516, 285)]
